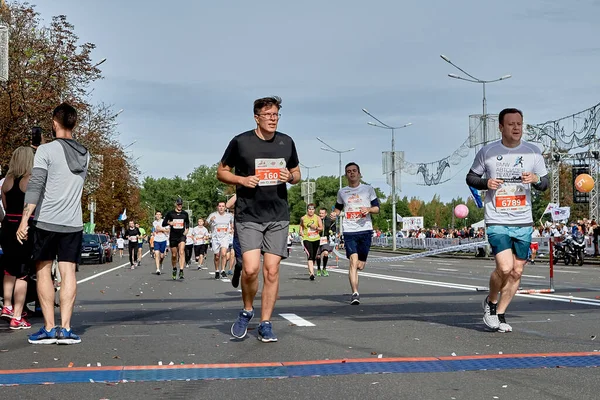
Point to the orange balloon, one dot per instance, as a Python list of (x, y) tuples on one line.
[(584, 183)]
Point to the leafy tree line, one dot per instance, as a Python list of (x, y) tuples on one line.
[(48, 66), (201, 191)]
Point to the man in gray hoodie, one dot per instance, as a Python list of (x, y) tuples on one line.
[(54, 194)]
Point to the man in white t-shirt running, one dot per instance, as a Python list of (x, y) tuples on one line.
[(511, 168), (120, 245), (357, 201), (160, 241), (200, 242), (221, 224)]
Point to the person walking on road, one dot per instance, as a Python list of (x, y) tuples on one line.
[(133, 236), (324, 243), (264, 160), (56, 185), (511, 167), (357, 201), (310, 228), (160, 241), (179, 223), (221, 224)]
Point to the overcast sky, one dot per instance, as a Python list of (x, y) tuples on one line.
[(186, 74)]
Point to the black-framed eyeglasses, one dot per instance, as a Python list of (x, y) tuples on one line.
[(270, 115)]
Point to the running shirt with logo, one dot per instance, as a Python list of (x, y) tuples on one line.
[(120, 243), (181, 222), (221, 226), (310, 234), (159, 236), (510, 204), (350, 200), (249, 155), (200, 233), (189, 238), (132, 235)]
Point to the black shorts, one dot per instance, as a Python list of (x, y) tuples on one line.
[(311, 248), (16, 259), (200, 249), (47, 246), (174, 242)]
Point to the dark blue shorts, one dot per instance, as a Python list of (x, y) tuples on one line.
[(358, 243), (161, 247), (140, 245), (236, 247)]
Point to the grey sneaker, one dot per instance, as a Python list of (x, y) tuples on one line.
[(491, 321), (355, 299), (503, 326), (485, 305), (240, 326)]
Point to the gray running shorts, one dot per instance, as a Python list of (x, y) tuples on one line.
[(270, 237)]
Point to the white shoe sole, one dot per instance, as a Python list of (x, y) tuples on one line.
[(43, 341), (262, 339), (68, 341)]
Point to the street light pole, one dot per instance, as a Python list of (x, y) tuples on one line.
[(308, 193), (339, 153), (393, 129), (476, 80)]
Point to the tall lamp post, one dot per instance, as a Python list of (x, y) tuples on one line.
[(393, 129), (475, 80), (309, 194), (339, 153)]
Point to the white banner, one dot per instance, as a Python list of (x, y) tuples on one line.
[(412, 223), (398, 218), (550, 207), (561, 213)]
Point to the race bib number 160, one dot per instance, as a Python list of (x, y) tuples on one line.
[(268, 170)]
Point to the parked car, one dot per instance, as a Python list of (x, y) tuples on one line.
[(92, 249), (108, 248)]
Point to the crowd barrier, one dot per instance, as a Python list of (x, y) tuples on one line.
[(423, 244), (434, 243)]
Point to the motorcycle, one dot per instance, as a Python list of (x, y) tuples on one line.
[(578, 244), (571, 250)]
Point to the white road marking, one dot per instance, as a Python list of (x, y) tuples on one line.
[(568, 272), (89, 278), (534, 276), (296, 320), (544, 296), (447, 269)]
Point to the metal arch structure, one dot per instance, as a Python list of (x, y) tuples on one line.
[(564, 134), (436, 172), (561, 136), (591, 157)]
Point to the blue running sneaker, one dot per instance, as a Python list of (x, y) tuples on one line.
[(67, 337), (240, 326), (265, 332), (43, 336)]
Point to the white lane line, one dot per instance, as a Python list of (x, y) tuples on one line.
[(296, 320), (544, 296), (89, 278), (568, 272), (534, 276), (447, 269)]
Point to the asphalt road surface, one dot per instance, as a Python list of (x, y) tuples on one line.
[(418, 333)]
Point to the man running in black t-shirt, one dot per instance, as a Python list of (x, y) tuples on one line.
[(133, 237), (264, 161), (325, 247), (179, 221)]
